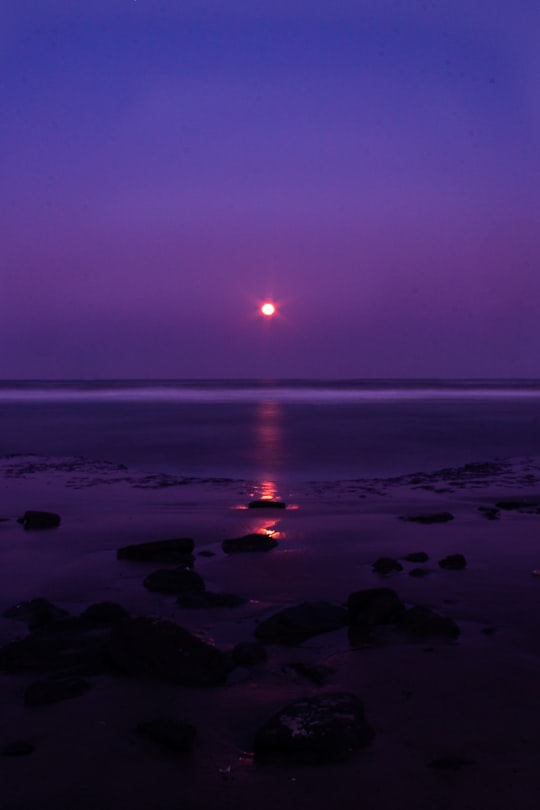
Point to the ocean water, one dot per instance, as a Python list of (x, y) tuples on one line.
[(274, 430)]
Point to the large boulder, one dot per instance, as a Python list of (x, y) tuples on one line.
[(374, 606), (174, 581), (39, 520), (178, 551), (325, 728), (164, 650), (295, 624), (249, 542)]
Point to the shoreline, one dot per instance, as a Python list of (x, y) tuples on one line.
[(473, 698)]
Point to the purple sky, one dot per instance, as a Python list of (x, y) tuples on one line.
[(373, 166)]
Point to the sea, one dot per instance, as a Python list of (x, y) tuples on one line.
[(273, 430)]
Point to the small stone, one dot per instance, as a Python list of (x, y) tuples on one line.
[(454, 562), (177, 551), (250, 542), (324, 728), (39, 520), (386, 565), (438, 517)]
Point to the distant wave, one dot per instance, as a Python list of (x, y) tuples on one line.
[(316, 391)]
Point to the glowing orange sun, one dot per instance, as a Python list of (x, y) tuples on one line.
[(268, 309)]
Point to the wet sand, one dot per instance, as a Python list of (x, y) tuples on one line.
[(472, 702)]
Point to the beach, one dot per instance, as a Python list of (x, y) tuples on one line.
[(455, 717)]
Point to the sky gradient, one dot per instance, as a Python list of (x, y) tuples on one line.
[(371, 166)]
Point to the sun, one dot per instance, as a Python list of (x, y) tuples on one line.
[(268, 309)]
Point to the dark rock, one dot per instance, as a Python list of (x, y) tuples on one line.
[(206, 553), (55, 652), (523, 504), (42, 693), (386, 565), (266, 504), (325, 728), (18, 748), (451, 763), (168, 732), (374, 606), (164, 650), (438, 517), (250, 542), (419, 572), (39, 520), (423, 622), (417, 557), (248, 654), (103, 613), (315, 673), (295, 624), (174, 581), (207, 599), (36, 612), (176, 551), (490, 513), (454, 562)]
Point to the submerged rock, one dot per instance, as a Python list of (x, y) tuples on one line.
[(454, 562), (39, 520), (174, 581), (417, 557), (423, 622), (438, 517), (249, 542), (374, 606), (177, 551), (103, 613), (168, 732), (295, 624), (164, 650), (325, 728), (386, 565)]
